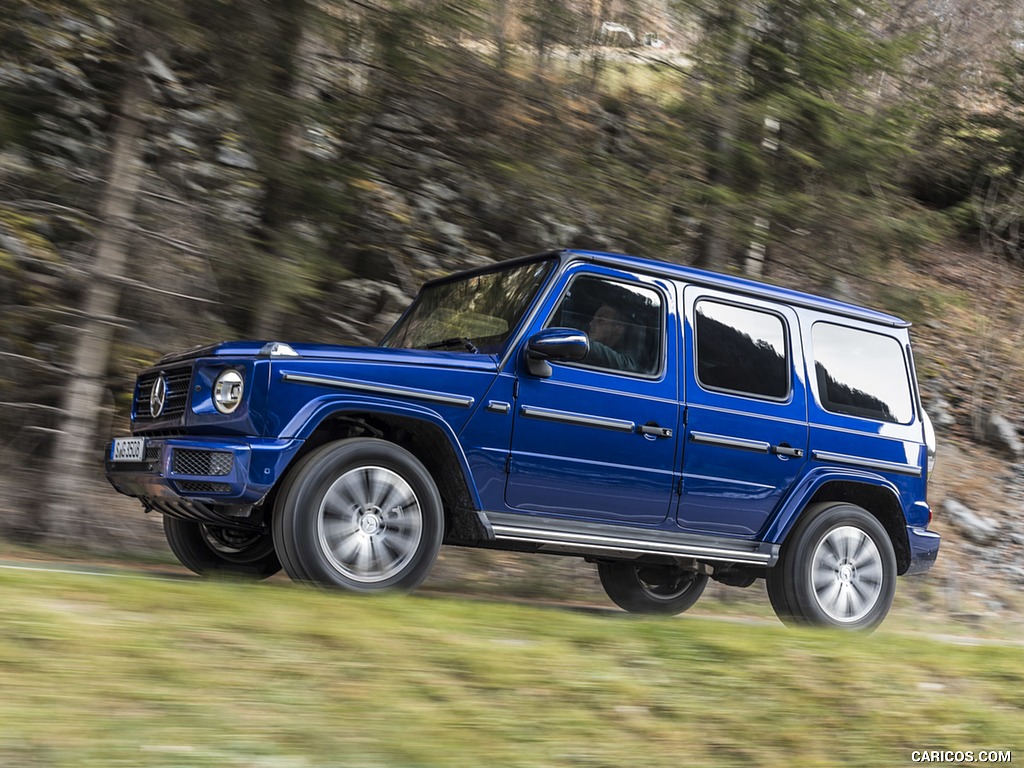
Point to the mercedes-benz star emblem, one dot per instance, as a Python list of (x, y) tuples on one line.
[(158, 396)]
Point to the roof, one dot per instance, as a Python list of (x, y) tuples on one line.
[(703, 277), (737, 285)]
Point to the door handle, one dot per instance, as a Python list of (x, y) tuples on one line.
[(650, 428), (787, 450)]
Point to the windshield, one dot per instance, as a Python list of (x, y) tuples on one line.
[(477, 313)]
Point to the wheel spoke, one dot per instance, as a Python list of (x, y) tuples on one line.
[(343, 498), (848, 602), (379, 486), (866, 555), (823, 578), (870, 573), (342, 538), (403, 523), (396, 548), (400, 542), (364, 554), (845, 540), (397, 500), (861, 597), (859, 551), (829, 554), (828, 595)]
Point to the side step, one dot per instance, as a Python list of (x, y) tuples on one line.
[(553, 534)]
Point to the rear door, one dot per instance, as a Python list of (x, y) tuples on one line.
[(745, 411), (597, 439)]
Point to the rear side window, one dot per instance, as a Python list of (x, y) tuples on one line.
[(861, 373), (741, 350)]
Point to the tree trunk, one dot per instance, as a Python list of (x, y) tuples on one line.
[(75, 462), (288, 48), (717, 246), (501, 34)]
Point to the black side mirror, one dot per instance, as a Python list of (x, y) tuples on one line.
[(557, 344)]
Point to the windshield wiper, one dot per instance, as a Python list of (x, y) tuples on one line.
[(455, 341)]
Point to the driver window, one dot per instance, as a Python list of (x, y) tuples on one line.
[(623, 322)]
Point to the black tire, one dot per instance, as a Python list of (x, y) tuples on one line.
[(836, 569), (651, 589), (362, 514), (211, 550)]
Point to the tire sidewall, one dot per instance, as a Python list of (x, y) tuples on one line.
[(297, 526)]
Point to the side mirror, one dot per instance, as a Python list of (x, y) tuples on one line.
[(557, 344)]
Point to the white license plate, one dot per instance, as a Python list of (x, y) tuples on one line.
[(128, 449)]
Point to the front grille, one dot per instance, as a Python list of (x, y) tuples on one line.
[(179, 380), (192, 462), (198, 486)]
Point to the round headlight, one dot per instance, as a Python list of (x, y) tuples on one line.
[(227, 391)]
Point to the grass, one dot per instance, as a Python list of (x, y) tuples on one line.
[(127, 671)]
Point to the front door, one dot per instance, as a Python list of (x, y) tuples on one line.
[(746, 411), (597, 439)]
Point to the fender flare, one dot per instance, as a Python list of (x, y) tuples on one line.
[(317, 410), (784, 521)]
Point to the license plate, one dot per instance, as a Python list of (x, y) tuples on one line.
[(128, 449)]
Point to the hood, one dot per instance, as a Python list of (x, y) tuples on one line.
[(297, 351)]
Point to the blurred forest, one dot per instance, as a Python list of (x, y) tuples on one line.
[(179, 171)]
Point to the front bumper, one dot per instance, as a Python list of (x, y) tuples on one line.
[(924, 548), (233, 472)]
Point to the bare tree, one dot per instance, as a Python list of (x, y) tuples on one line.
[(75, 452), (727, 88)]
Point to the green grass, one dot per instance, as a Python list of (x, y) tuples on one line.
[(130, 672)]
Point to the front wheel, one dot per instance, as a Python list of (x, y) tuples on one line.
[(211, 550), (652, 589), (363, 514), (836, 569)]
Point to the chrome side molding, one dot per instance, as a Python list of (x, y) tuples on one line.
[(580, 419), (857, 461)]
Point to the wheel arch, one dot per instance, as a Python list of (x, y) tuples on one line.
[(873, 494), (425, 435)]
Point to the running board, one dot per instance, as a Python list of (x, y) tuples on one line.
[(553, 534)]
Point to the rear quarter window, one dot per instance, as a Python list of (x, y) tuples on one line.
[(861, 373)]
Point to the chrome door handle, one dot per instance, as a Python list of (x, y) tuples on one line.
[(654, 430), (788, 450)]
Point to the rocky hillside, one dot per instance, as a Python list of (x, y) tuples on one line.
[(969, 360)]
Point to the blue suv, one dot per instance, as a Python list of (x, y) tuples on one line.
[(668, 424)]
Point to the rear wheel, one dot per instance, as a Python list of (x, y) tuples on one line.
[(836, 569), (218, 550), (362, 514), (653, 589)]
